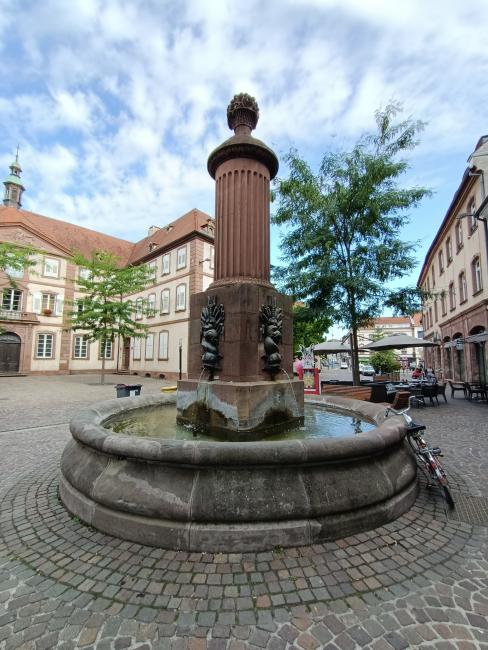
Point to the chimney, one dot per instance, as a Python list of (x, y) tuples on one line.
[(152, 230)]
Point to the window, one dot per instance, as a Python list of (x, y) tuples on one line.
[(164, 309), (165, 266), (441, 262), (436, 311), (50, 267), (48, 302), (136, 353), (153, 269), (476, 273), (84, 274), (430, 317), (151, 305), (149, 353), (452, 297), (472, 221), (448, 250), (463, 289), (163, 345), (433, 276), (443, 304), (80, 347), (44, 346), (459, 235), (12, 299), (212, 257), (181, 258), (105, 349), (181, 297), (139, 309)]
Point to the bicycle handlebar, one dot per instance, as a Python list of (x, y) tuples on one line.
[(403, 411)]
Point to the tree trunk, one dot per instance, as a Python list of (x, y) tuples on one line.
[(102, 376), (356, 379)]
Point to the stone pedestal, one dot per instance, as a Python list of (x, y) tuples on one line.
[(241, 345)]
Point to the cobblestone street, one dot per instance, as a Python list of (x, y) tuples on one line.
[(419, 582)]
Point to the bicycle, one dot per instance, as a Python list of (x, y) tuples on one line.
[(427, 457)]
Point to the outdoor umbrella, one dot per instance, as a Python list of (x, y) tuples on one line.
[(398, 341), (331, 347)]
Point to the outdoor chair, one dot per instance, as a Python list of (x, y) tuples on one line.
[(441, 390), (419, 400), (456, 385), (430, 391), (478, 391)]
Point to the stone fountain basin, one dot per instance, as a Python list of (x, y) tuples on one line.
[(235, 496)]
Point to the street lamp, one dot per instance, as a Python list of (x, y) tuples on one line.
[(477, 215)]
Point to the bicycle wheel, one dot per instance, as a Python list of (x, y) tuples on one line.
[(448, 497), (438, 473)]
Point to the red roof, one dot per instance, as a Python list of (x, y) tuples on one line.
[(164, 237), (70, 237)]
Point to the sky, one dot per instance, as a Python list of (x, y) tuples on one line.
[(116, 105)]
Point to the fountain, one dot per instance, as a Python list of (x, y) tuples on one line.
[(246, 490)]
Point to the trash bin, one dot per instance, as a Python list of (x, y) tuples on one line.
[(128, 390)]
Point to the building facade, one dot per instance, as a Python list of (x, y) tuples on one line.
[(388, 326), (453, 279), (34, 313)]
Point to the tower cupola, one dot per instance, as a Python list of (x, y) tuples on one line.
[(13, 185)]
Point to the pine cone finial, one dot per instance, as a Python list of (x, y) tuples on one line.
[(243, 112)]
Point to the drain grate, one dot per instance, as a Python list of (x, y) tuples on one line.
[(471, 510)]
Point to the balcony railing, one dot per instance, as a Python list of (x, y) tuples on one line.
[(17, 315)]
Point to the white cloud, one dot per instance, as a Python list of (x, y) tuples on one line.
[(117, 105)]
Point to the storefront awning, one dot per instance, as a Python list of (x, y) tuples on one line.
[(482, 337)]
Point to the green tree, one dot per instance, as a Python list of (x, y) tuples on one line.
[(342, 225), (104, 314), (384, 361), (309, 326), (14, 259)]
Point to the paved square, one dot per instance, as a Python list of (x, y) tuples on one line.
[(419, 582)]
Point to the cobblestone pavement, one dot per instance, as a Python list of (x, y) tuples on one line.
[(419, 582)]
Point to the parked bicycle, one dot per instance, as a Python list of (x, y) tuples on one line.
[(427, 457)]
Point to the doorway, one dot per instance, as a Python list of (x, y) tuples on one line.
[(9, 352), (126, 354)]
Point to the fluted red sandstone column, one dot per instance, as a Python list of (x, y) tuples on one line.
[(242, 167)]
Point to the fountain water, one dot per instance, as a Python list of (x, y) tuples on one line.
[(251, 494)]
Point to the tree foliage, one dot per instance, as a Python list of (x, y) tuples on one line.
[(309, 326), (14, 259), (104, 313), (384, 361), (342, 225)]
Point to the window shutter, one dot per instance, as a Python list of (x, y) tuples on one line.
[(37, 302), (58, 306)]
